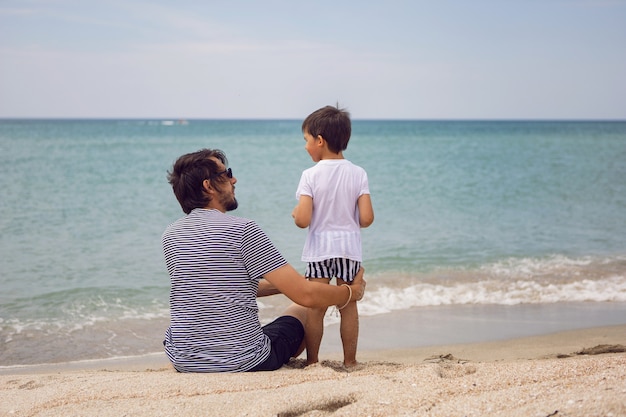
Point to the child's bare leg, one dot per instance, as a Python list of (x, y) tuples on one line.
[(349, 330), (313, 333)]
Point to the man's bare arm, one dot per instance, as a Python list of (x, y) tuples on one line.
[(266, 288)]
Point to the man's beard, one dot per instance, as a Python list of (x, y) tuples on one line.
[(231, 205)]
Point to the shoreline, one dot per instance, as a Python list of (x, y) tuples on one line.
[(404, 329), (536, 375), (474, 323), (517, 348)]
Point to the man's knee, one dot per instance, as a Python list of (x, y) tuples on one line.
[(297, 311)]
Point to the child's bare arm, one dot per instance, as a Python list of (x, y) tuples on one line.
[(366, 211), (303, 212)]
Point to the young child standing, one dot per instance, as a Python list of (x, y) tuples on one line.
[(334, 203)]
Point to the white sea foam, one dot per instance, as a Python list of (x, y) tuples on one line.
[(509, 282), (386, 299)]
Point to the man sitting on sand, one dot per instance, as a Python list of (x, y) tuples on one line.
[(218, 264)]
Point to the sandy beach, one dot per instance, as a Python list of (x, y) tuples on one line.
[(572, 373)]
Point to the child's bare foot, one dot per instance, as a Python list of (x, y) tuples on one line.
[(355, 366), (351, 364)]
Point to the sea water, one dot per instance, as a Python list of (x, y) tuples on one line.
[(467, 213)]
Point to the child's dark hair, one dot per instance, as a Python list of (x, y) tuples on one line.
[(333, 124)]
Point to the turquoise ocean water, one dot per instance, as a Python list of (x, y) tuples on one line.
[(467, 213)]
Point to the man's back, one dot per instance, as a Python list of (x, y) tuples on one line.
[(214, 261)]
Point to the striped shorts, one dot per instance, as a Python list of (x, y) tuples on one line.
[(342, 268)]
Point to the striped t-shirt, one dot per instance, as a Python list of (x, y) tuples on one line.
[(215, 261)]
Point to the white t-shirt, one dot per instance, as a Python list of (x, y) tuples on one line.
[(335, 186)]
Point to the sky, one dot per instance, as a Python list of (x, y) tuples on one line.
[(274, 59)]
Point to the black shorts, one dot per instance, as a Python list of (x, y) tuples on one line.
[(286, 334)]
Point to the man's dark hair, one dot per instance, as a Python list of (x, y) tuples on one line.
[(188, 174)]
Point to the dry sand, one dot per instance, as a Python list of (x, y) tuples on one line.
[(533, 376)]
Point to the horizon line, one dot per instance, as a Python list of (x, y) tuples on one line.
[(184, 119)]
